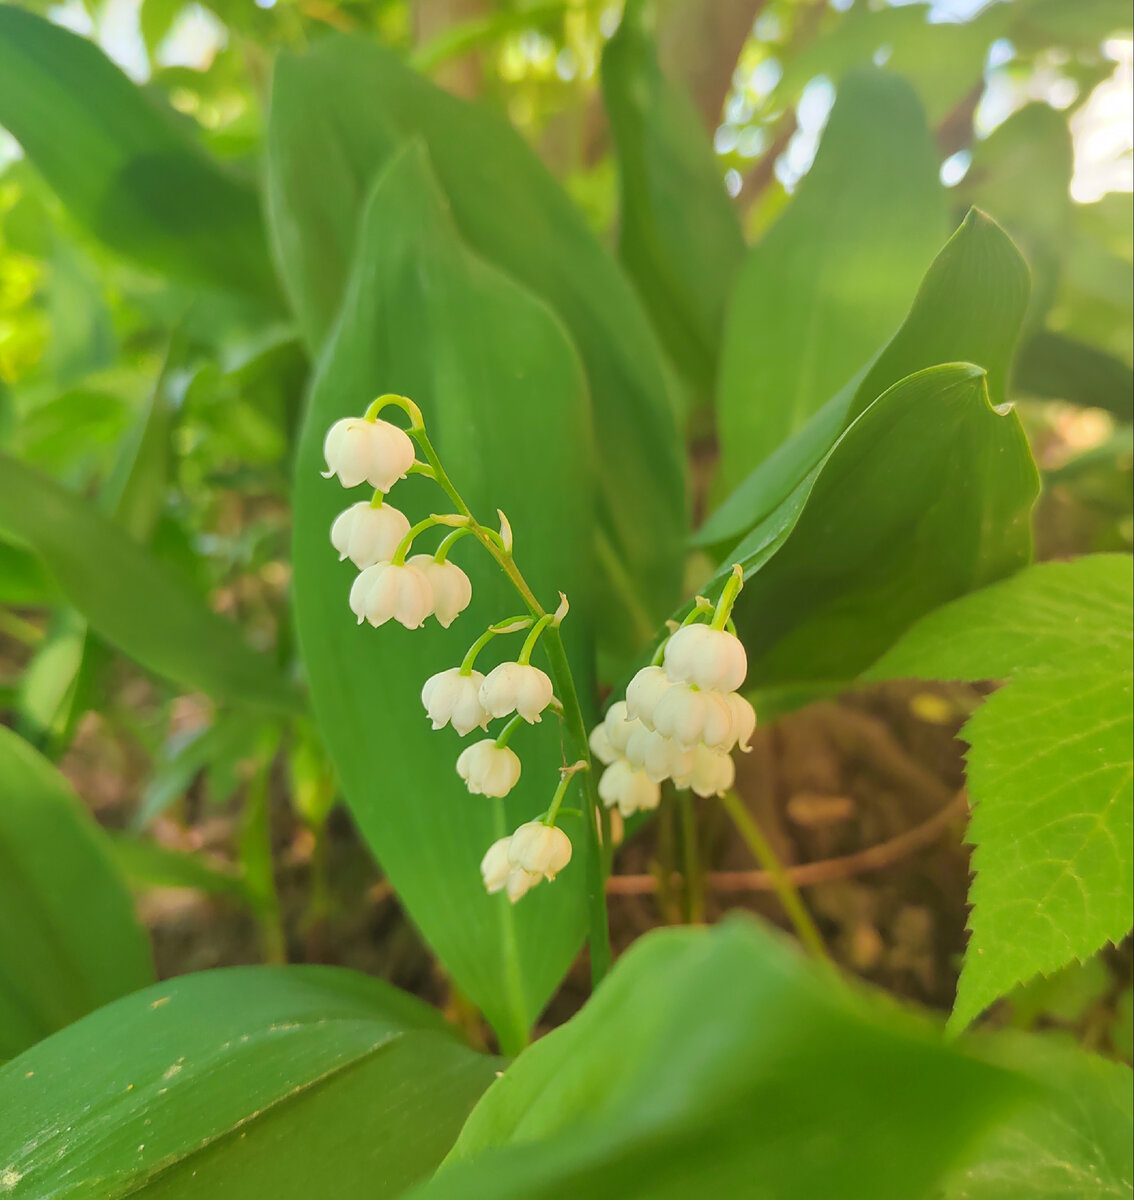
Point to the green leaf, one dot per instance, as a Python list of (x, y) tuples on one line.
[(832, 278), (714, 1058), (1071, 1143), (969, 308), (679, 235), (290, 1082), (499, 383), (69, 940), (1049, 769), (146, 863), (338, 113), (925, 497), (1063, 368), (124, 166), (23, 581), (131, 599), (1021, 175)]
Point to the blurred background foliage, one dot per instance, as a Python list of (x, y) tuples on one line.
[(132, 376)]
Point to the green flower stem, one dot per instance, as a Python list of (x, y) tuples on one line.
[(566, 774), (506, 733), (378, 499), (514, 625), (533, 637), (762, 851), (694, 877), (564, 683), (447, 542), (406, 543), (728, 596)]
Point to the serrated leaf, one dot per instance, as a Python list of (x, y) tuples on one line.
[(1050, 766), (290, 1082), (504, 397), (830, 281), (679, 235), (123, 165), (69, 939)]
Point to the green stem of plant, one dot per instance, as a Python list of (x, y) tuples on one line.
[(18, 629), (762, 851), (694, 882), (505, 735), (599, 929)]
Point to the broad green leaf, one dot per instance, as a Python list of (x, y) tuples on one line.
[(1021, 175), (123, 165), (69, 940), (717, 1062), (925, 497), (502, 389), (1073, 1142), (23, 581), (1050, 769), (1063, 368), (131, 599), (969, 308), (146, 863), (679, 234), (338, 113), (291, 1082), (832, 278)]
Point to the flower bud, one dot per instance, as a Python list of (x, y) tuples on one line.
[(644, 692), (516, 687), (601, 746), (358, 449), (743, 722), (659, 756), (713, 773), (386, 591), (495, 867), (542, 849), (618, 727), (713, 659), (452, 590), (488, 769), (690, 716), (630, 789), (451, 698), (368, 535)]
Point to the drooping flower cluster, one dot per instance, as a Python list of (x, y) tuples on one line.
[(377, 537), (681, 719)]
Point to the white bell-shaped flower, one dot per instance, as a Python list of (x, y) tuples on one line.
[(451, 698), (385, 591), (618, 726), (628, 789), (743, 722), (713, 659), (520, 882), (495, 867), (542, 849), (368, 535), (600, 744), (644, 692), (516, 687), (376, 451), (452, 590), (690, 716), (659, 756), (488, 769), (712, 774)]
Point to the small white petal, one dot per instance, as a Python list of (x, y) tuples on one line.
[(452, 590), (516, 687), (495, 867), (629, 789), (713, 659), (539, 848), (600, 745), (644, 693), (368, 535), (452, 698), (618, 726), (743, 722)]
